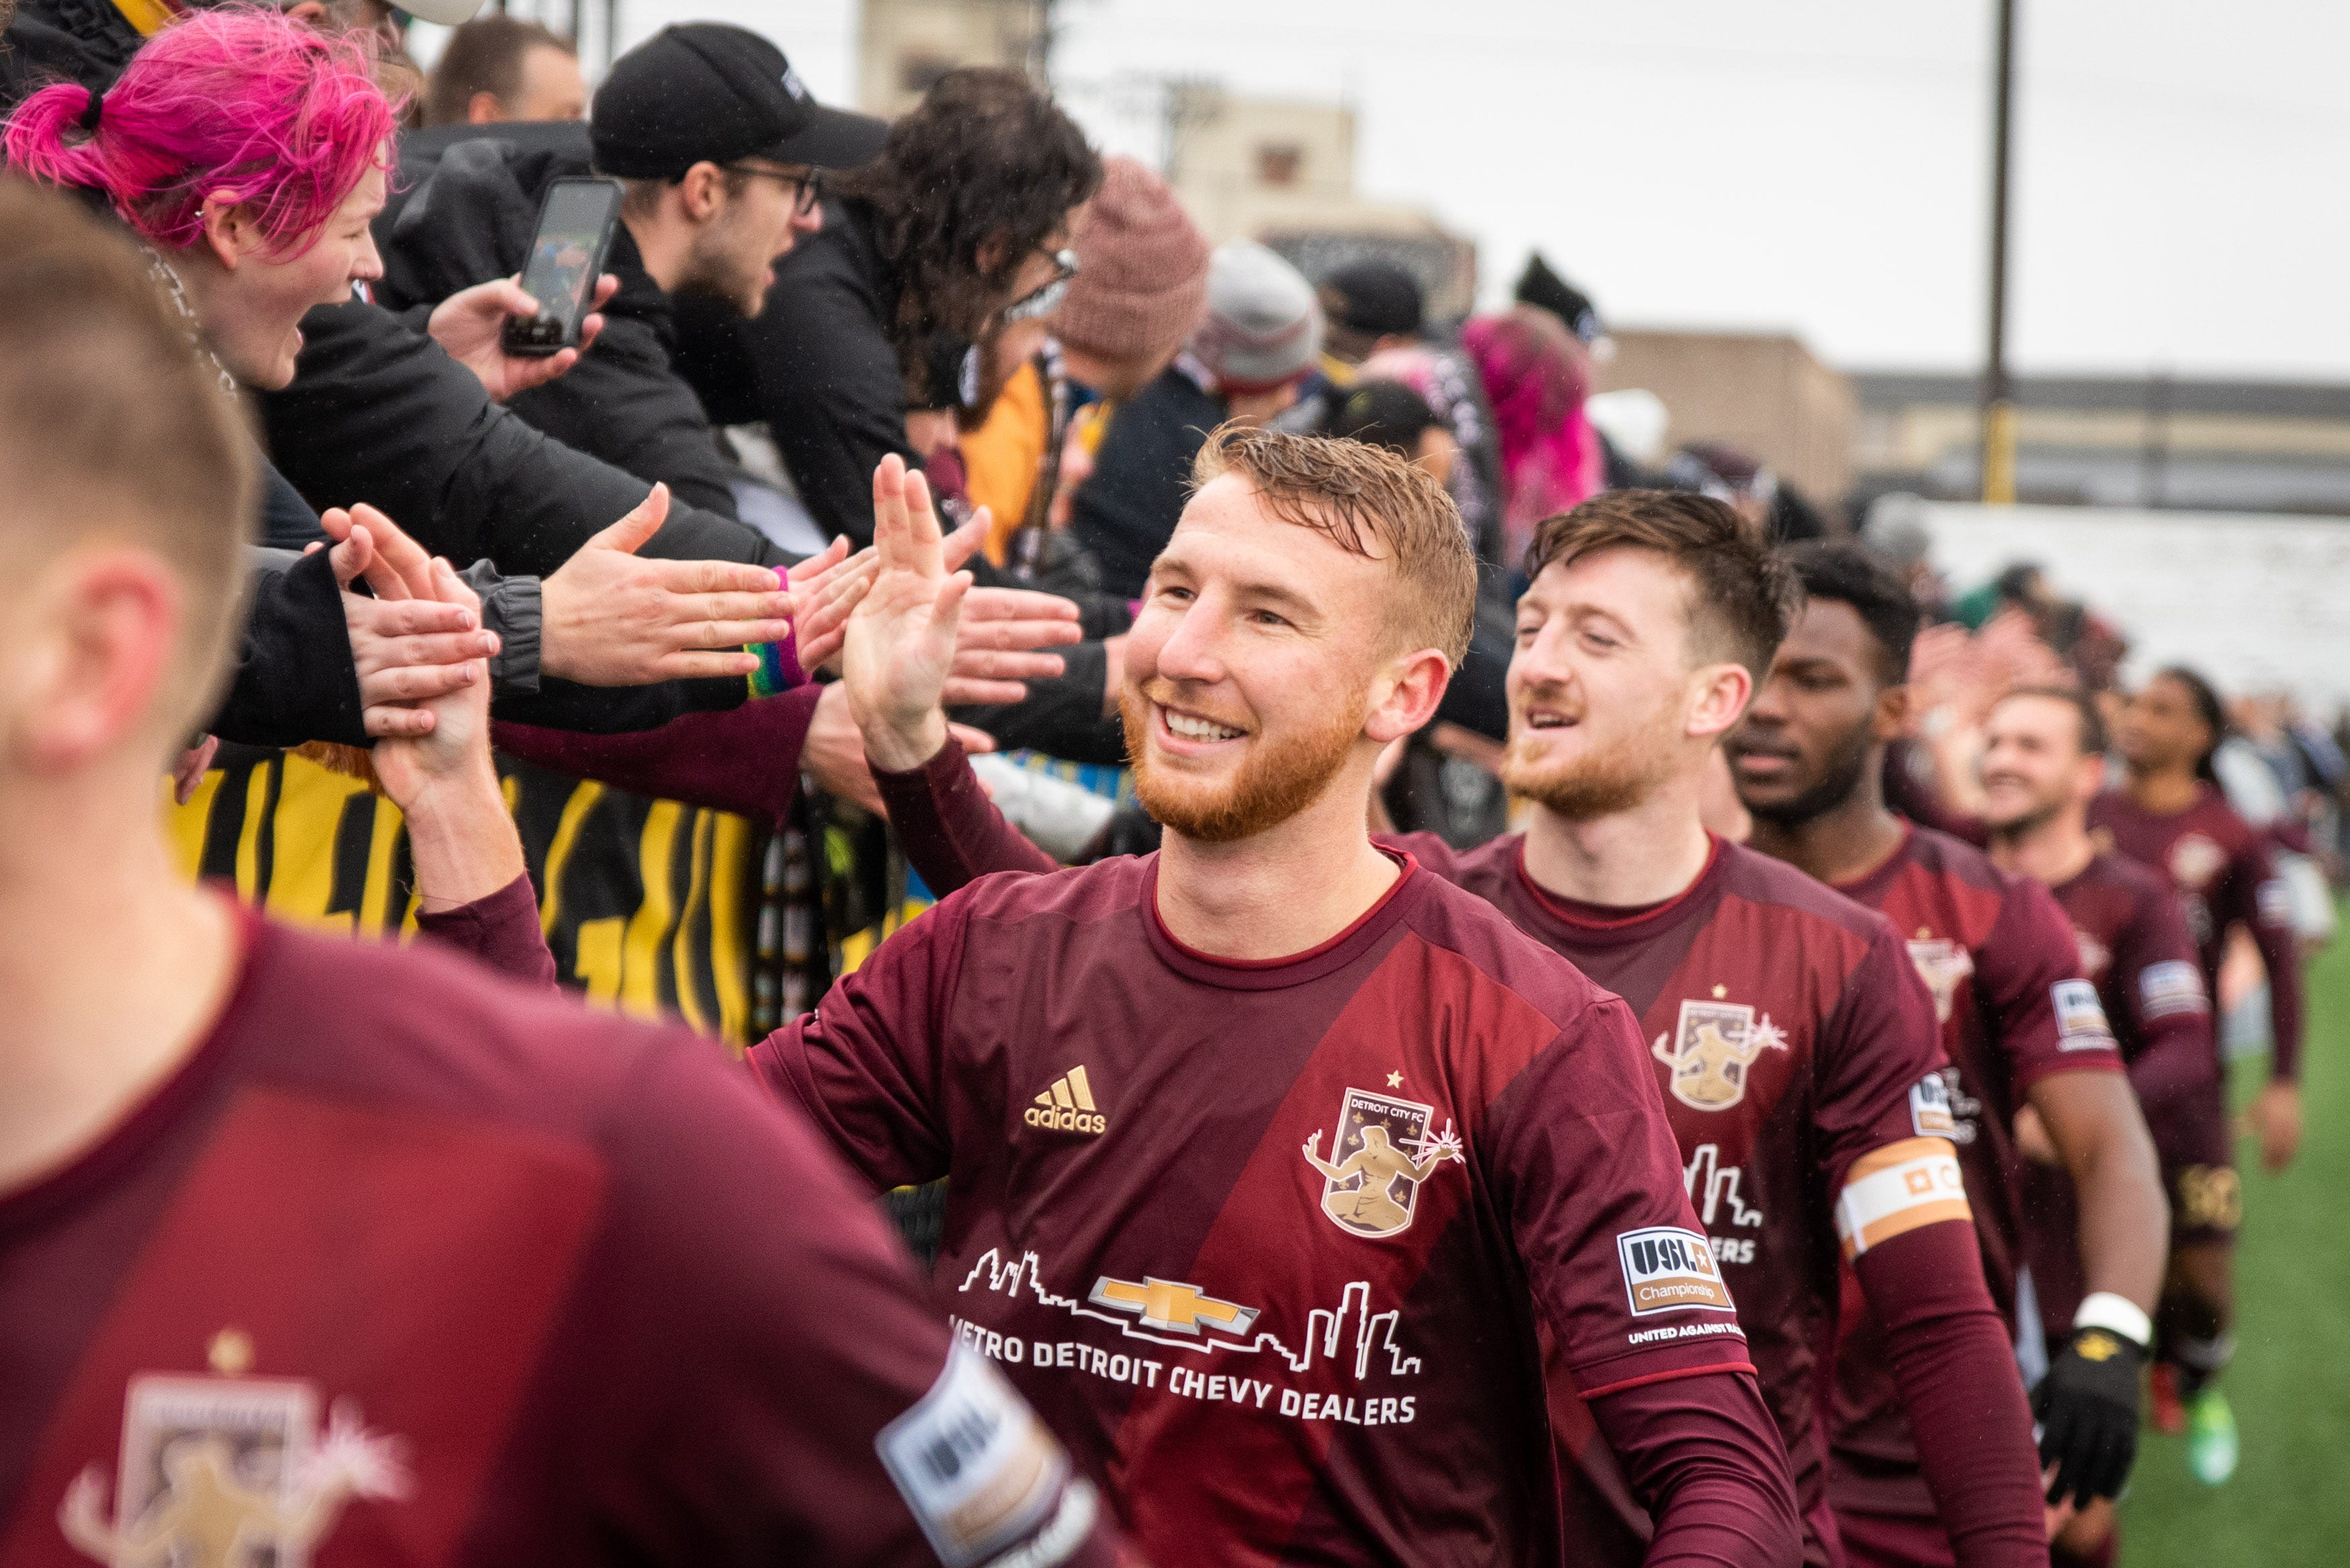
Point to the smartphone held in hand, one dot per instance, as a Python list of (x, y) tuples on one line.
[(576, 222)]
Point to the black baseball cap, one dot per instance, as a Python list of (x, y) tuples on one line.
[(706, 91), (1375, 296)]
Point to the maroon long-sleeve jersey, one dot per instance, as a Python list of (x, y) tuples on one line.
[(2134, 949), (2002, 963), (1793, 1041), (1830, 983), (1274, 1246), (2219, 867), (406, 1265)]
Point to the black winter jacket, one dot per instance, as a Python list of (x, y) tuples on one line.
[(471, 202), (817, 365)]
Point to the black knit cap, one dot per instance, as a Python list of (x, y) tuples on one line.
[(1375, 296), (705, 91), (1538, 284)]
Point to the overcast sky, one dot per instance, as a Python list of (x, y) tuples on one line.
[(2183, 196)]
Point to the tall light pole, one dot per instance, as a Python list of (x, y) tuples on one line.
[(1998, 403)]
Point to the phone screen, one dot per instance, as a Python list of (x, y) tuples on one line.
[(563, 260)]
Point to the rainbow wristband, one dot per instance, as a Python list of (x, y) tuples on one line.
[(779, 661)]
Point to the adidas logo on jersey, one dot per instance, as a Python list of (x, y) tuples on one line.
[(1067, 1106)]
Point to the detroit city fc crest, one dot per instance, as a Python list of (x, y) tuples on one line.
[(1712, 1046), (1381, 1154), (1944, 966), (227, 1472)]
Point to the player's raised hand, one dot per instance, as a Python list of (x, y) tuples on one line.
[(901, 647)]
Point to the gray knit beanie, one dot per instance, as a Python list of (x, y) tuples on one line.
[(1263, 326)]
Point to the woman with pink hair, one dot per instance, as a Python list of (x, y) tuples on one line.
[(250, 153), (1536, 377)]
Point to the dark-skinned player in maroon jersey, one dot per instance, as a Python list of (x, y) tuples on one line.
[(317, 1251), (1797, 1048), (1274, 1161), (2168, 814), (2043, 762), (2021, 1027)]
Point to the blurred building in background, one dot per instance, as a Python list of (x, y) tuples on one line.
[(1764, 393), (2212, 445), (1282, 171), (904, 45)]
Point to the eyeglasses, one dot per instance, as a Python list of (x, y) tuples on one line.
[(1046, 299), (807, 189)]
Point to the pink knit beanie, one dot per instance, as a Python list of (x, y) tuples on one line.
[(1142, 271)]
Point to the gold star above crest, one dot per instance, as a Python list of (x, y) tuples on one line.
[(1925, 931), (1395, 1080), (1720, 992), (231, 1352)]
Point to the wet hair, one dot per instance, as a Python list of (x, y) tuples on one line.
[(110, 426), (239, 99), (1841, 572), (1742, 599), (2091, 734), (484, 55), (985, 156), (1358, 496), (2208, 708), (1382, 414)]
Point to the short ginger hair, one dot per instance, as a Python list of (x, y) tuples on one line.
[(1743, 599), (1369, 501)]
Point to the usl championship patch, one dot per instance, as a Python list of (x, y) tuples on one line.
[(1667, 1269), (1930, 1107), (1900, 1187), (2172, 986), (2080, 1017), (976, 1468)]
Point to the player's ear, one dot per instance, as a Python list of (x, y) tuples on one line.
[(1891, 718), (1718, 694), (1406, 695)]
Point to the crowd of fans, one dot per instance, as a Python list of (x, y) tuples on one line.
[(882, 447)]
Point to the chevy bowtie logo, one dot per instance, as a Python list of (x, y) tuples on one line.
[(1172, 1305), (1067, 1106)]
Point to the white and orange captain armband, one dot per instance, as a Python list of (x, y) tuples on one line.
[(1898, 1188)]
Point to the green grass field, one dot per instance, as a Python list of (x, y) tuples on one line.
[(2289, 1504)]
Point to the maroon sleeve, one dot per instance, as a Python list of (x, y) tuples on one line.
[(867, 1065), (2168, 1013), (745, 760), (1583, 1163), (949, 828), (1880, 1059), (1704, 1457), (501, 930), (753, 1371), (1960, 1386), (2043, 1015), (2253, 895)]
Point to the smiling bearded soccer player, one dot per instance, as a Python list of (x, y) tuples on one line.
[(2019, 1023), (1799, 1050), (1273, 1158)]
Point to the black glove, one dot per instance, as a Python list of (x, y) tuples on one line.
[(2087, 1411)]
